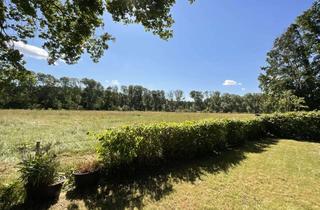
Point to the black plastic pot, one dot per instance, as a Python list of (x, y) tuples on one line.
[(86, 180), (44, 193)]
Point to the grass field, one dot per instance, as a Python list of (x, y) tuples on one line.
[(67, 131)]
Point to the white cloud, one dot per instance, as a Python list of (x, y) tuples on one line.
[(30, 50), (230, 83), (243, 89), (113, 82)]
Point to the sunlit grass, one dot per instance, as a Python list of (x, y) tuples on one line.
[(67, 131), (285, 176), (273, 174)]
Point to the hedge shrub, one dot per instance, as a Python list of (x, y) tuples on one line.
[(294, 125), (149, 144)]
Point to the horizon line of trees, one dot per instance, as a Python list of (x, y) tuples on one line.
[(44, 91)]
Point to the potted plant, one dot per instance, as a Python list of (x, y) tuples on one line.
[(40, 177), (86, 174)]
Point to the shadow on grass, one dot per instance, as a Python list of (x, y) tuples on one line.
[(34, 206), (118, 193)]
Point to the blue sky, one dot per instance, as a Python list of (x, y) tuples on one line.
[(213, 41)]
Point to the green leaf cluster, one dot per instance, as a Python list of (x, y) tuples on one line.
[(38, 170), (69, 28), (11, 194)]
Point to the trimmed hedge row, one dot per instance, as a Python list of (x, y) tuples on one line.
[(148, 144), (294, 125)]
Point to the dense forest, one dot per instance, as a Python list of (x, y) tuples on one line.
[(43, 91)]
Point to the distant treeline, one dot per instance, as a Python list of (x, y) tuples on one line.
[(43, 91)]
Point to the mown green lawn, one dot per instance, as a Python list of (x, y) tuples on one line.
[(272, 174), (66, 131)]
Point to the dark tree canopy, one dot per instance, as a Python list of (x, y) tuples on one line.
[(294, 61), (69, 28)]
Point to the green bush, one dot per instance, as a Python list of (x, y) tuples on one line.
[(295, 125), (149, 144), (11, 195)]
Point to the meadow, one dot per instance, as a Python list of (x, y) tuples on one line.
[(70, 132)]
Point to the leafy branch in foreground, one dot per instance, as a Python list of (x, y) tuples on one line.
[(70, 28)]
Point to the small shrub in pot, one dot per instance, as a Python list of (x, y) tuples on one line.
[(40, 177)]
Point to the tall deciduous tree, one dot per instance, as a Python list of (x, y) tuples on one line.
[(197, 97), (92, 94), (294, 61), (16, 88)]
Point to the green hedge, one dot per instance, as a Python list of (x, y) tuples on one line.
[(294, 125), (149, 144)]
